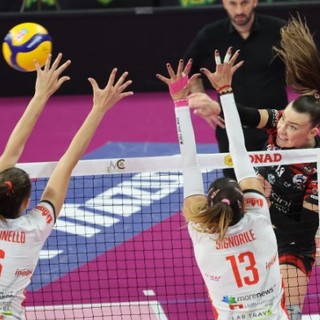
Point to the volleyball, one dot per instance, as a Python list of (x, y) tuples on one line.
[(24, 43)]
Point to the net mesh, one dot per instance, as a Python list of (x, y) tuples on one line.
[(120, 248)]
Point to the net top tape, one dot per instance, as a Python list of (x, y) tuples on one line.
[(171, 163)]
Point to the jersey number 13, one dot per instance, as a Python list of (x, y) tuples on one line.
[(247, 260)]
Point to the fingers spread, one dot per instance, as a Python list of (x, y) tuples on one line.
[(64, 66), (170, 70), (234, 57), (188, 66), (56, 62), (93, 83), (163, 79), (124, 86), (121, 79), (62, 80), (112, 77), (237, 66), (180, 67), (227, 57), (48, 62), (217, 57), (205, 71)]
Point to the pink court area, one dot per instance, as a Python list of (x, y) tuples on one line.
[(143, 117)]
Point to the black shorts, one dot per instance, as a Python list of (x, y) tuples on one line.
[(303, 263), (301, 256)]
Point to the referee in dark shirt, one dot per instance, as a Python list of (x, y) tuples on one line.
[(260, 82)]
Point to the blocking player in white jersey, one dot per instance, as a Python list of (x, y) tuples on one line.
[(231, 231), (23, 235)]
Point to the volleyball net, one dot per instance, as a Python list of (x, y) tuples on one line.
[(120, 247)]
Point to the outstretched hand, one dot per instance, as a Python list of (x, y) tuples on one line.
[(222, 77), (105, 98), (179, 82), (206, 108), (48, 78), (48, 81)]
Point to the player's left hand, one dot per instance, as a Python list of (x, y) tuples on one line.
[(115, 90), (224, 71), (49, 78), (179, 82)]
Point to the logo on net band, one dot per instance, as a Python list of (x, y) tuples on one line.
[(118, 166), (257, 158)]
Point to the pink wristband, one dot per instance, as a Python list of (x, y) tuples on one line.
[(178, 85), (181, 103)]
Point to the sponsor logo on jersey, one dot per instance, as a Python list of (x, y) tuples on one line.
[(279, 203), (232, 302), (23, 273), (254, 202), (256, 315), (256, 296), (309, 169), (264, 298), (270, 263), (6, 294), (45, 213), (299, 181), (212, 277), (5, 309)]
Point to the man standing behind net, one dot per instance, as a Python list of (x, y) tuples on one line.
[(260, 83)]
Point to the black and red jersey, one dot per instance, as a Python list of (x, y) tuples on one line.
[(291, 186)]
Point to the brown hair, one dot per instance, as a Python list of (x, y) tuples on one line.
[(15, 187), (222, 208), (309, 104), (300, 54)]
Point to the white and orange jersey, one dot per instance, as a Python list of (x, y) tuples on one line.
[(242, 272), (21, 240)]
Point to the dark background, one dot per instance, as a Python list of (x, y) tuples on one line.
[(15, 5), (138, 39)]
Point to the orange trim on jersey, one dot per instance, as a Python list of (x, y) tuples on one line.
[(214, 310)]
